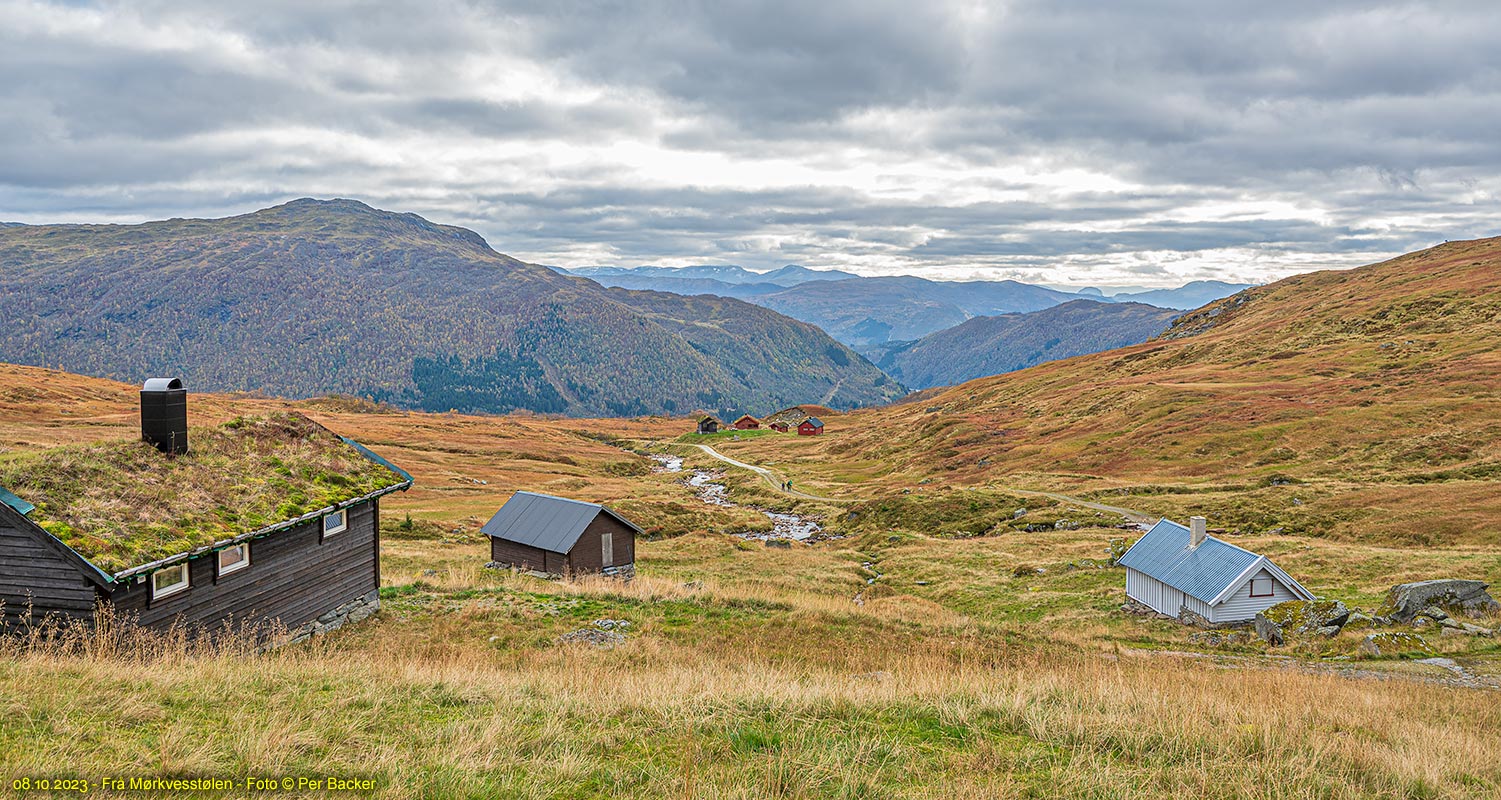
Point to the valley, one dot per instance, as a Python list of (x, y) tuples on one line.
[(936, 590), (939, 644)]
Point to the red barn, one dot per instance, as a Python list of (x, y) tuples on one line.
[(747, 423), (810, 427), (779, 426)]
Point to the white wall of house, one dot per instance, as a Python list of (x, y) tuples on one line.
[(1160, 597), (1241, 606)]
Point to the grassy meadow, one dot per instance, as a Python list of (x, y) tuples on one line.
[(939, 649)]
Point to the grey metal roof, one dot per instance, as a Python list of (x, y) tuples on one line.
[(161, 384), (1209, 572), (543, 521), (817, 423)]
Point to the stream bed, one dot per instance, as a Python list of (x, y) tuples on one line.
[(784, 526)]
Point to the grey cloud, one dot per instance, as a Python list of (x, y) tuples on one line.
[(1361, 112)]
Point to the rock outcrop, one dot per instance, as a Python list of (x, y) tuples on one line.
[(1392, 643), (1301, 618), (1406, 601)]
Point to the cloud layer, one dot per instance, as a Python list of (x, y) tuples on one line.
[(1146, 142)]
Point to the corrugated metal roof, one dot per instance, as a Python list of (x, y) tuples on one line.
[(815, 421), (21, 506), (1204, 572), (161, 385), (543, 521)]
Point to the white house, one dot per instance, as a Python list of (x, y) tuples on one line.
[(1173, 569)]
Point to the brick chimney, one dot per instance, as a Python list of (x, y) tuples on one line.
[(1198, 531)]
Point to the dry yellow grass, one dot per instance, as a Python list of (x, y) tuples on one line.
[(935, 717), (747, 671)]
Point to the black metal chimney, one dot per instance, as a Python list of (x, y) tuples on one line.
[(164, 415)]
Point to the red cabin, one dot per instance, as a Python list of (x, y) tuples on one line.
[(747, 423), (779, 426), (810, 427)]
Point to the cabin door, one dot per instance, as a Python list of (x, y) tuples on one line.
[(607, 549)]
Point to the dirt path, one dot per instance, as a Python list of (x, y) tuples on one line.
[(775, 482), (1134, 516)]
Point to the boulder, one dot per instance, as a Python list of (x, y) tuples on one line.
[(1407, 600), (1269, 631), (1465, 629), (1392, 643), (1307, 617), (1117, 549)]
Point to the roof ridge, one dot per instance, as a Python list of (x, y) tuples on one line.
[(556, 497), (1212, 537)]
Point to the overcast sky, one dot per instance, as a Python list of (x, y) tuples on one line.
[(1079, 143)]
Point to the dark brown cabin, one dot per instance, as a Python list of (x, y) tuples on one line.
[(301, 575), (709, 424), (559, 536), (778, 426), (747, 423)]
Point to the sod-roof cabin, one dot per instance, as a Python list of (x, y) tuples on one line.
[(269, 521)]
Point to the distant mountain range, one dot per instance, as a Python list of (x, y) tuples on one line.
[(1186, 297), (314, 297), (984, 346), (868, 312), (790, 275)]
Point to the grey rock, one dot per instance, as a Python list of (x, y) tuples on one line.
[(1019, 513), (1394, 643), (1330, 630), (1269, 631), (1406, 601), (1305, 618), (1435, 613)]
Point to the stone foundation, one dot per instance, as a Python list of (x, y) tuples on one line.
[(624, 572), (352, 611)]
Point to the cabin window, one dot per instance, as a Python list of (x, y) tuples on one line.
[(169, 581), (607, 548), (1261, 587), (232, 559), (335, 522)]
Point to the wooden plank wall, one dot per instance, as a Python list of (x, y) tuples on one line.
[(588, 555), (294, 576), (32, 571)]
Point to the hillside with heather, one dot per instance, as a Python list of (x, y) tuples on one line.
[(1009, 342), (1361, 403), (313, 297), (935, 639)]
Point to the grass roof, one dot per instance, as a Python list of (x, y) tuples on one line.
[(122, 504)]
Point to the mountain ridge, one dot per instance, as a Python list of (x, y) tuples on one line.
[(992, 345), (314, 296), (872, 311)]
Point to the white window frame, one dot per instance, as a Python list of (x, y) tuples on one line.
[(343, 515), (1271, 587), (158, 593), (607, 548), (235, 567)]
